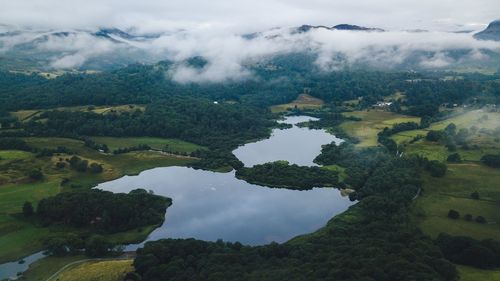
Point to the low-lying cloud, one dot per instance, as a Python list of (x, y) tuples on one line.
[(230, 56)]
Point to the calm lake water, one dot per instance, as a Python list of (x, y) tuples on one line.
[(210, 206), (296, 145)]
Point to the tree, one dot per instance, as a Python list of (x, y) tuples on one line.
[(452, 214), (491, 160), (454, 158), (97, 246), (27, 209), (95, 168), (474, 195), (480, 219), (436, 168), (35, 174)]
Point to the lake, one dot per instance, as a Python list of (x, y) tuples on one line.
[(209, 205)]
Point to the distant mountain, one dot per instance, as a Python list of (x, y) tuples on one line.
[(305, 28), (492, 32), (356, 28)]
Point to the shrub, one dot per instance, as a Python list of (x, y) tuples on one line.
[(468, 217), (35, 174), (480, 219), (28, 209), (452, 214), (95, 168), (436, 168), (474, 195), (454, 158)]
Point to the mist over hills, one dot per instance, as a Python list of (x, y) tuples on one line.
[(236, 56)]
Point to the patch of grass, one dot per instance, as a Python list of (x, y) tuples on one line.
[(14, 154), (46, 267), (303, 101), (373, 121), (155, 143), (112, 270), (26, 115), (467, 273), (453, 192)]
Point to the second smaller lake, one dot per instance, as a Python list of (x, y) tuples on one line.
[(296, 145)]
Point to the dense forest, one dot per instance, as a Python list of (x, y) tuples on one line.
[(374, 240), (283, 175), (103, 211)]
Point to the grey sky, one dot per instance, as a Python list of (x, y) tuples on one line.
[(245, 16)]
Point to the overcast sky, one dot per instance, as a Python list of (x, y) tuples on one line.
[(251, 15)]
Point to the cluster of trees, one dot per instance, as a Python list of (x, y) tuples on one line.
[(140, 147), (282, 175), (72, 244), (96, 146), (368, 170), (103, 211), (82, 165), (453, 214), (384, 139), (215, 159), (492, 160), (468, 251), (450, 137)]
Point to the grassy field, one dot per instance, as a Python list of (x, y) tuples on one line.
[(113, 270), (453, 192), (475, 274), (19, 237), (46, 267), (463, 120), (303, 101), (155, 143), (482, 142), (26, 115), (372, 122)]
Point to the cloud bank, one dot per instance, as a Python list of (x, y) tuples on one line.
[(230, 56)]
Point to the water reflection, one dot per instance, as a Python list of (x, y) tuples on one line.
[(209, 206), (296, 145)]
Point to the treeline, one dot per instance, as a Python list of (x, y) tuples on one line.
[(195, 120), (281, 174), (103, 211)]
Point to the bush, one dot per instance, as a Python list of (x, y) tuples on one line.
[(27, 209), (35, 174), (454, 158), (98, 246), (436, 168), (452, 214), (480, 219), (474, 195), (468, 217), (60, 165), (95, 168), (491, 160)]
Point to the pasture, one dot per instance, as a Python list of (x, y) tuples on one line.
[(453, 192), (372, 122), (303, 101)]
